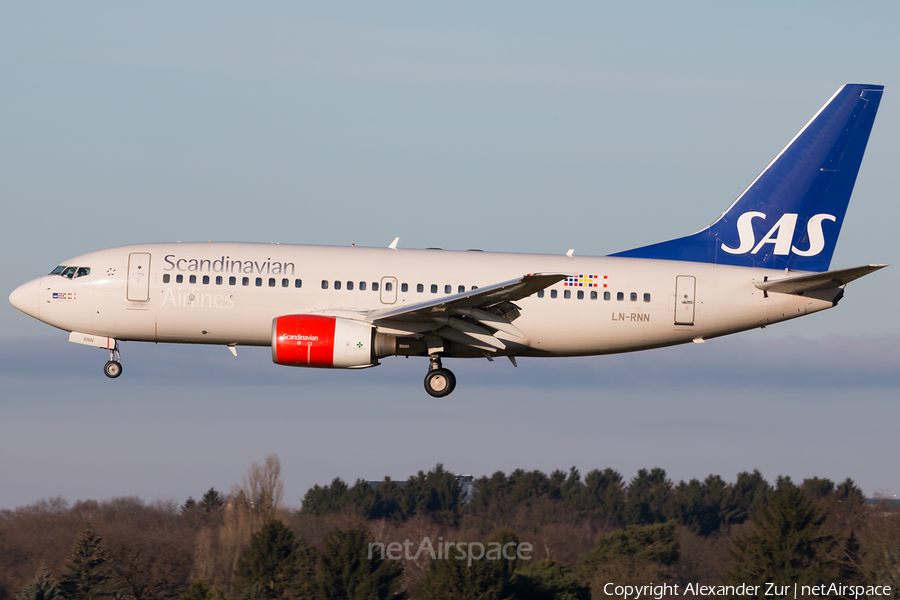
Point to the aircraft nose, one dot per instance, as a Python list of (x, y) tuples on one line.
[(25, 298)]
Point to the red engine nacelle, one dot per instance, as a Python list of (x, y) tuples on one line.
[(322, 341)]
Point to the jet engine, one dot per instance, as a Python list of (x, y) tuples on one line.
[(329, 342)]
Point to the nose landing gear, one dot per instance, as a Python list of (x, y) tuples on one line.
[(113, 368), (439, 382)]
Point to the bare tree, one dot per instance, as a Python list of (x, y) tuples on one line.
[(263, 491), (249, 507), (151, 565)]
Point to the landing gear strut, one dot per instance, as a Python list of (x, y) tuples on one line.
[(113, 368), (439, 382)]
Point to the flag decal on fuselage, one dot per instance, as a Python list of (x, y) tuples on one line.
[(584, 281)]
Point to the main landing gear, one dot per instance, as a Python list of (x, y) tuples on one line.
[(439, 382), (113, 368)]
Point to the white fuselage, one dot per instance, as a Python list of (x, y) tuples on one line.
[(638, 303)]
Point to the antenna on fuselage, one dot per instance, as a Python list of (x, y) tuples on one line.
[(393, 245)]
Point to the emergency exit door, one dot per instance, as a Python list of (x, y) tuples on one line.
[(388, 290), (138, 277), (684, 299)]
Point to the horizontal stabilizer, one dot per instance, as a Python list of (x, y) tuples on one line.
[(818, 281)]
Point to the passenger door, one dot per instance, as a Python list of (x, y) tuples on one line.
[(684, 299), (138, 277)]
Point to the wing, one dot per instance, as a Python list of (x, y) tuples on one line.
[(819, 281), (471, 317)]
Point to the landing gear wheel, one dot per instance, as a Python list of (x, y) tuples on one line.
[(440, 382), (112, 369)]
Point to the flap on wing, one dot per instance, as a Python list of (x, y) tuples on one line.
[(817, 281), (483, 297)]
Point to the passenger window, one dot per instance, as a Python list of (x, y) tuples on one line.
[(271, 282), (646, 297), (388, 286), (404, 287), (179, 278), (82, 271), (420, 288), (232, 280), (193, 279), (298, 283), (285, 283), (206, 280), (474, 287), (434, 288), (634, 296), (620, 296), (580, 295), (540, 293), (219, 280), (362, 286), (349, 285), (553, 293), (448, 289), (259, 282), (337, 285), (324, 284), (374, 286), (606, 296), (166, 278), (593, 295), (567, 294), (245, 281)]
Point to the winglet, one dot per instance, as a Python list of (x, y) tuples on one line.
[(393, 245)]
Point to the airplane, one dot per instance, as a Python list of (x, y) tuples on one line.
[(765, 260)]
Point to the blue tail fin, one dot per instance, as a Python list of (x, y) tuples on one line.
[(791, 215)]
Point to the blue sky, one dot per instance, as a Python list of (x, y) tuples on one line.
[(515, 127)]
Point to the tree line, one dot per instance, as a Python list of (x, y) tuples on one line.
[(650, 497), (581, 533)]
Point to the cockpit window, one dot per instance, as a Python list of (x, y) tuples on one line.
[(71, 272)]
